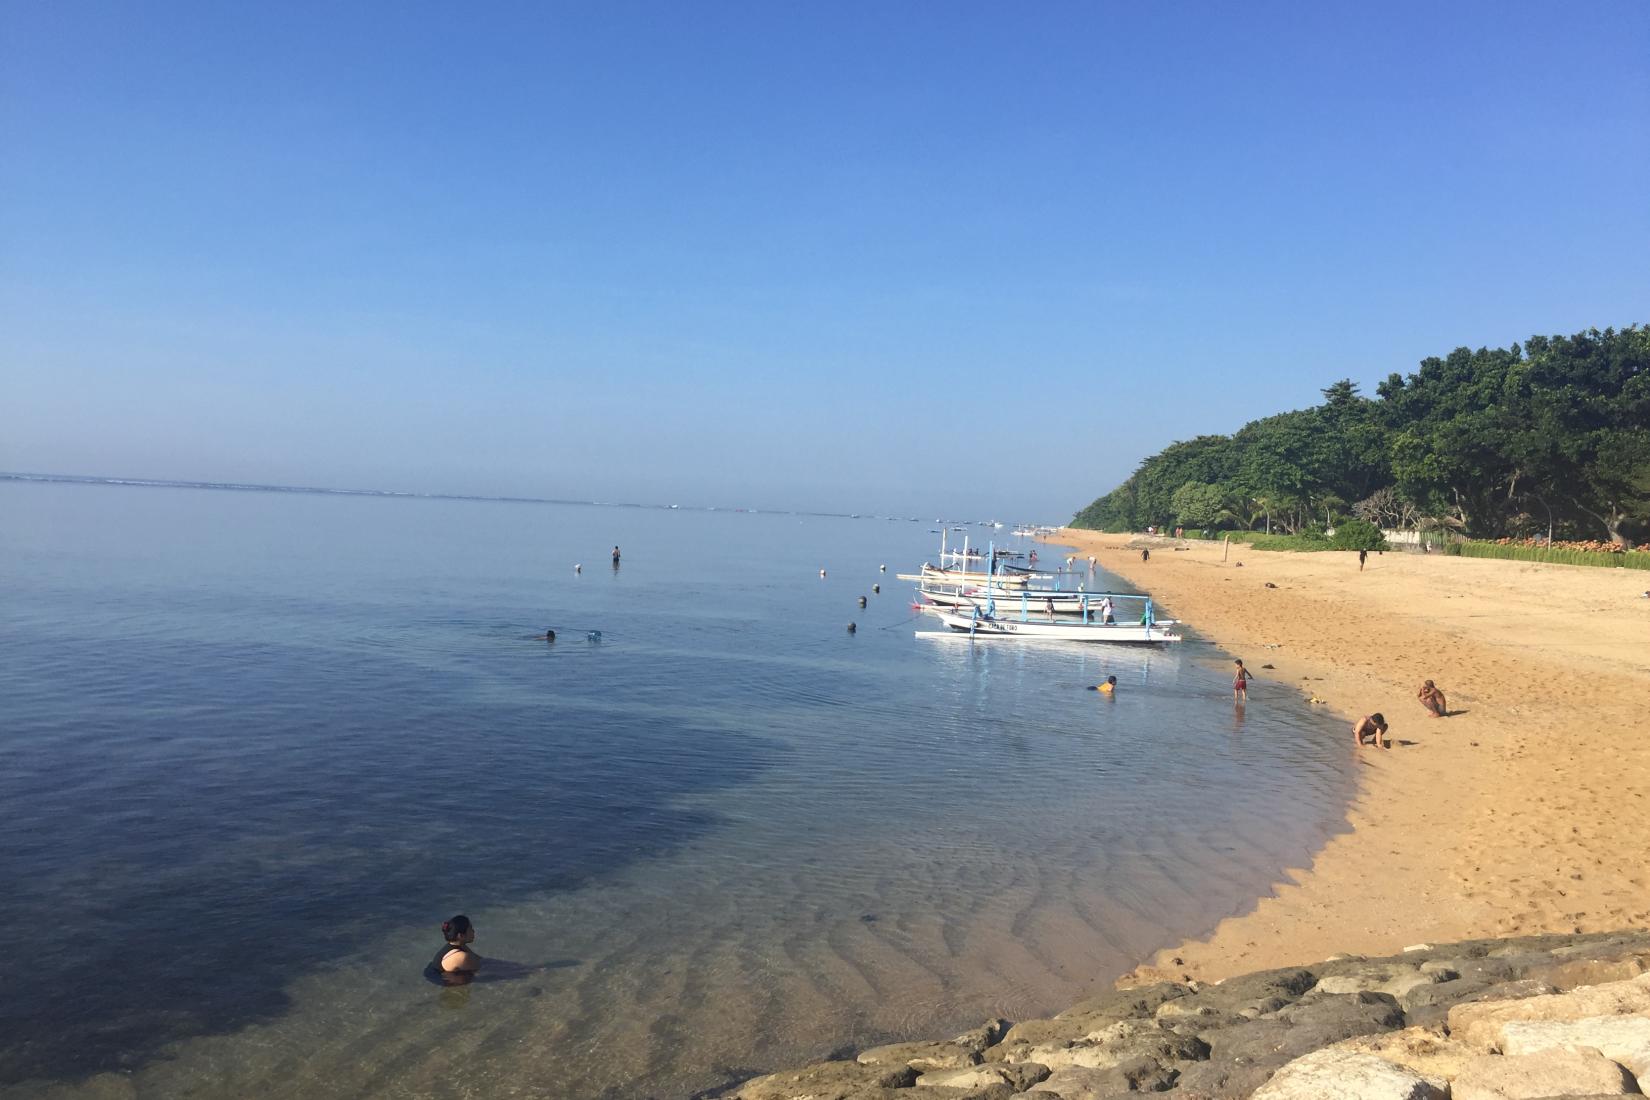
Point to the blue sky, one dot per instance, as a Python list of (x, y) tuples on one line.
[(972, 258)]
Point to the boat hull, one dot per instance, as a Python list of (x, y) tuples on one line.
[(1134, 633), (1009, 602)]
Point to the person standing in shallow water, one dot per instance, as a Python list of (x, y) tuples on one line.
[(456, 962), (1240, 683), (615, 555)]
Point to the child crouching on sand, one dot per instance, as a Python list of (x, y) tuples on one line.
[(1372, 726), (1433, 699)]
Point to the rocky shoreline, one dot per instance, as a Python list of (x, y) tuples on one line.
[(1525, 1018)]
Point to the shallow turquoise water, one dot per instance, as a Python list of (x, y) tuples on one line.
[(261, 744)]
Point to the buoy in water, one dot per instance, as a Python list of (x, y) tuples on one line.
[(862, 601), (852, 628), (822, 572), (877, 588), (578, 568), (885, 569)]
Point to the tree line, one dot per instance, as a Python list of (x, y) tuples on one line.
[(1548, 437)]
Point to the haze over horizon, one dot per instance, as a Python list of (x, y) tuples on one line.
[(911, 261)]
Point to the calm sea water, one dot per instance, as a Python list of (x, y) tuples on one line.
[(259, 745)]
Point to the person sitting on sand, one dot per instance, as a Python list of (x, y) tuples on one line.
[(1372, 726), (456, 962), (1433, 699), (1240, 683)]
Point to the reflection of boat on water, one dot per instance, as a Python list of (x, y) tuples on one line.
[(978, 624)]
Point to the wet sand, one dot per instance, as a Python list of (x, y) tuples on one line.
[(1526, 810)]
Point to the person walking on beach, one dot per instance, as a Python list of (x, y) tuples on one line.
[(1363, 556), (1240, 683), (1145, 556), (456, 962), (1433, 700), (1372, 726)]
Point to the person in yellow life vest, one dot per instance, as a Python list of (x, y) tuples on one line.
[(1107, 688)]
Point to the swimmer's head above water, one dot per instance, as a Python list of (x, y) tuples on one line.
[(459, 930)]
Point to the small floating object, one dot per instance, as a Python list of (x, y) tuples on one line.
[(852, 628), (862, 601), (877, 588), (578, 568), (822, 572), (885, 569), (593, 636)]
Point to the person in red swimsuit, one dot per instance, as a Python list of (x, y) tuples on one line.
[(1240, 683)]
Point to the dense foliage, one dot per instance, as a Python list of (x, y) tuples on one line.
[(1552, 437)]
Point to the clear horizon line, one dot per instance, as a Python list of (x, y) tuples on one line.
[(258, 487)]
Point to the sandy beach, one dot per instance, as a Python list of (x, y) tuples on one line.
[(1524, 811)]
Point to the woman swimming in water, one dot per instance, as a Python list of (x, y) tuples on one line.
[(456, 963)]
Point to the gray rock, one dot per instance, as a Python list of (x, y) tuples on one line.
[(1120, 1043), (1534, 1076), (1066, 1029), (920, 1056), (1427, 1051), (1019, 1076), (1125, 1003), (1480, 1023), (1379, 977), (1225, 1080), (1080, 1083), (1624, 1039), (1342, 1075), (987, 1034), (1430, 1005), (1578, 972), (826, 1081)]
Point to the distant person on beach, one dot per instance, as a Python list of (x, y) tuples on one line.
[(1107, 688), (1363, 556), (456, 962), (1433, 700), (1145, 555), (1240, 683), (1050, 602), (1106, 615), (1372, 726)]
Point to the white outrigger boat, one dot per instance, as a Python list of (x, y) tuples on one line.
[(1038, 601), (978, 624), (1020, 612)]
